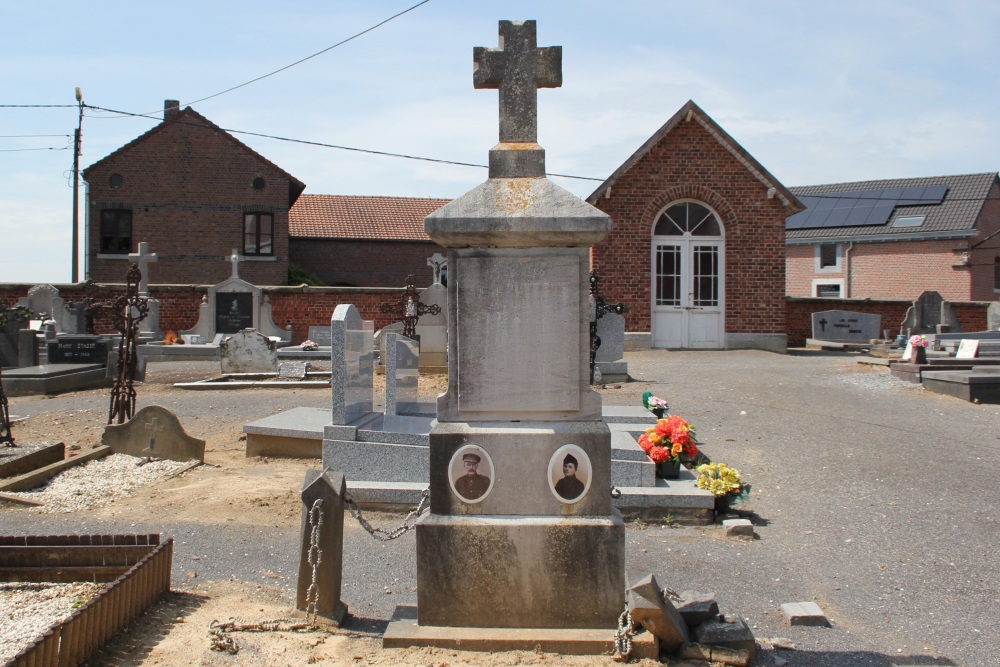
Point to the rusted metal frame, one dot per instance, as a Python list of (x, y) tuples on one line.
[(128, 312)]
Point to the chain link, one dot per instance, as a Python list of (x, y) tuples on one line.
[(315, 557), (623, 638), (379, 533), (222, 641)]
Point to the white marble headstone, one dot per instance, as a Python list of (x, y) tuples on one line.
[(402, 374), (351, 341)]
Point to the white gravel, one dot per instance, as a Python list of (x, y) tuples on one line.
[(97, 483), (876, 381), (27, 610)]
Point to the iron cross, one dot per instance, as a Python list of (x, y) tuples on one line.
[(410, 308), (518, 68)]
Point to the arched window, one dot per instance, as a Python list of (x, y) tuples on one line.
[(688, 219)]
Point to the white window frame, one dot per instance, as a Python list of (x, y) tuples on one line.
[(816, 283), (818, 254)]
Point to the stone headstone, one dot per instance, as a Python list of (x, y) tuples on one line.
[(402, 374), (320, 335), (27, 348), (432, 330), (78, 349), (611, 329), (993, 316), (380, 337), (154, 432), (967, 348), (930, 313), (248, 351), (648, 607), (293, 370), (321, 555), (10, 342), (45, 299), (352, 364), (233, 312), (846, 326)]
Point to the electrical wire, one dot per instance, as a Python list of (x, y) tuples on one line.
[(37, 106), (21, 150), (28, 136), (318, 53)]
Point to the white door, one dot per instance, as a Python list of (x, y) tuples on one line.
[(687, 276)]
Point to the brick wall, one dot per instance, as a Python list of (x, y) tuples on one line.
[(188, 185), (689, 163), (365, 263), (983, 260)]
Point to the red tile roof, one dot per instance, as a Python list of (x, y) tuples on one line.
[(350, 217)]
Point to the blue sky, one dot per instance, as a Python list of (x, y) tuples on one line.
[(818, 92)]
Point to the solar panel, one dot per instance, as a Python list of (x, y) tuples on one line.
[(861, 207)]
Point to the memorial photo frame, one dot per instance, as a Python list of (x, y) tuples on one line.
[(570, 473), (471, 473)]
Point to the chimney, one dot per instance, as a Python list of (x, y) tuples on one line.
[(171, 108)]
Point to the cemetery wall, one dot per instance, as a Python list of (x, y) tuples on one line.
[(363, 263), (971, 314), (690, 164), (189, 210)]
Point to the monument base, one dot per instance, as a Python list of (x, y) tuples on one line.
[(520, 571), (404, 632)]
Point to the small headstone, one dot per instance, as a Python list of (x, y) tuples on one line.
[(45, 299), (647, 606), (804, 613), (78, 349), (27, 354), (845, 326), (293, 370), (351, 365), (968, 348), (320, 335), (738, 527), (432, 327), (248, 351), (611, 330), (319, 582), (993, 316), (696, 608), (154, 432), (402, 374)]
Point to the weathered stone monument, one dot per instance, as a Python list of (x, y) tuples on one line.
[(846, 326), (149, 328), (248, 351), (511, 543), (432, 328)]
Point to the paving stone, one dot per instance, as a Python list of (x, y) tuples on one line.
[(696, 608), (715, 654), (648, 608), (738, 527), (735, 635), (804, 613)]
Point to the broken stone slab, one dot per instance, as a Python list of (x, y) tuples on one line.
[(715, 654), (696, 608), (648, 607), (738, 528), (805, 613), (734, 634), (154, 432)]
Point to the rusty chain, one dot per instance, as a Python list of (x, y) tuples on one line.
[(380, 533)]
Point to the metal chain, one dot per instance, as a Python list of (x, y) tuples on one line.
[(379, 533), (222, 641), (623, 638), (315, 556)]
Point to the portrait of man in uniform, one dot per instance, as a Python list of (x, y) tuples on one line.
[(469, 478)]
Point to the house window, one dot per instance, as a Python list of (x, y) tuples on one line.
[(908, 221), (257, 231), (827, 257), (116, 231), (996, 274), (828, 289), (688, 219)]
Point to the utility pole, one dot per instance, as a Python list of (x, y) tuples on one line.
[(76, 189)]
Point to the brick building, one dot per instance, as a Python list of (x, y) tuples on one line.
[(193, 192), (363, 241), (698, 245), (894, 239)]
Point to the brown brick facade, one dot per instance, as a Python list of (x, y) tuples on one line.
[(690, 163), (188, 184), (370, 263)]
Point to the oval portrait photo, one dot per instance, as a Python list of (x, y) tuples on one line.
[(471, 473), (570, 473)]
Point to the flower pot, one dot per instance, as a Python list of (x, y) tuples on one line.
[(919, 355), (669, 469), (657, 412)]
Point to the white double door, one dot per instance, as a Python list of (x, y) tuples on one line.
[(687, 293)]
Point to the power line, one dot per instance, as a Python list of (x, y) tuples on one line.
[(340, 147), (37, 106), (28, 136), (21, 150), (318, 53)]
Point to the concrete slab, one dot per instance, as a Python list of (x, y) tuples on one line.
[(404, 632), (979, 385), (804, 613), (54, 379)]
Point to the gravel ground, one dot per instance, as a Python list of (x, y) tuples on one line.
[(872, 497), (28, 610)]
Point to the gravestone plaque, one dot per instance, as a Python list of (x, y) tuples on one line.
[(233, 311), (320, 336), (402, 374), (293, 370), (78, 349), (993, 316), (967, 348), (352, 341), (846, 326)]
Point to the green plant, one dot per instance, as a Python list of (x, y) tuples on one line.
[(299, 276)]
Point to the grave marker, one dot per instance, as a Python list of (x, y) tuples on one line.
[(352, 365), (155, 432), (401, 374), (78, 349), (322, 552), (967, 348), (993, 316), (845, 326), (248, 351)]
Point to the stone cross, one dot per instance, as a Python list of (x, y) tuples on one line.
[(518, 68), (143, 258), (822, 324), (154, 427), (438, 262), (235, 259)]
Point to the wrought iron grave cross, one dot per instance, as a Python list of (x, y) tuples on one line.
[(410, 308), (128, 311)]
